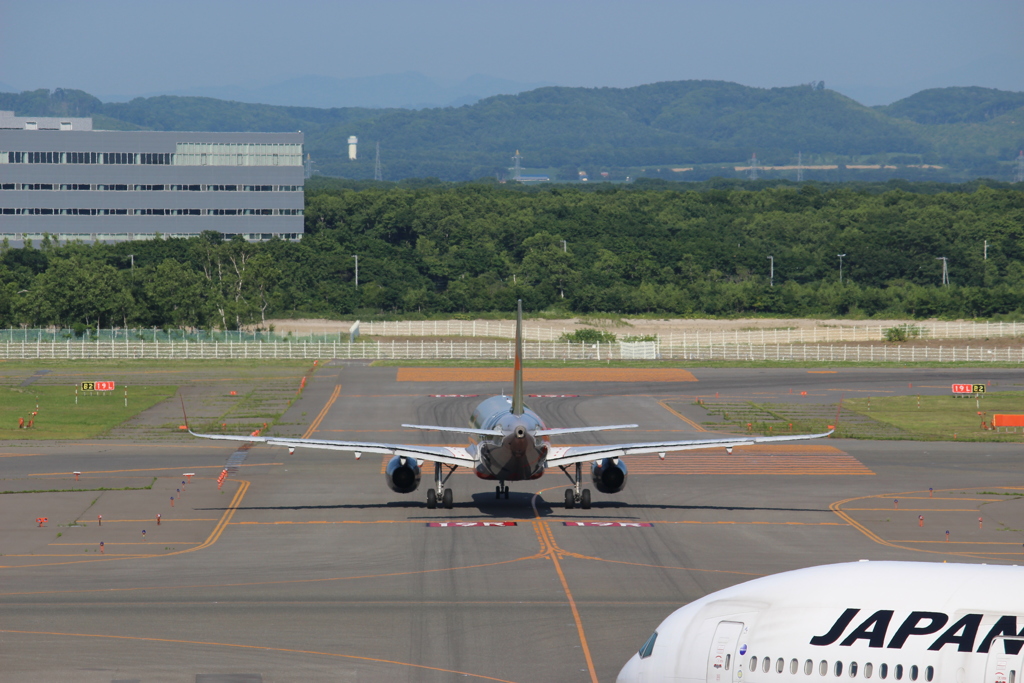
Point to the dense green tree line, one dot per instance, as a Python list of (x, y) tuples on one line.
[(452, 249)]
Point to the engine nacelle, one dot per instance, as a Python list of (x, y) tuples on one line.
[(402, 474), (609, 475)]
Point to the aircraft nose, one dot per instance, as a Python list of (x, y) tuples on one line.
[(520, 432), (631, 672)]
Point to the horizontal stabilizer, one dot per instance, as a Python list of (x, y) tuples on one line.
[(576, 430), (458, 430)]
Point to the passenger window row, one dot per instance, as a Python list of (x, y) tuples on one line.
[(852, 670)]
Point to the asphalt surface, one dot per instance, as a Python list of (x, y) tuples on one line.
[(306, 567)]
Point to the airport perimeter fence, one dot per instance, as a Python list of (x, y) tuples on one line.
[(811, 335), (497, 350), (486, 329)]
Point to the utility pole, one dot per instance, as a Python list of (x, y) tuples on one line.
[(516, 170), (356, 257), (771, 273), (945, 270), (799, 167), (752, 171), (840, 267)]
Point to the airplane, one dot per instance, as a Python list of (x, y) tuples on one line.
[(509, 442), (899, 621)]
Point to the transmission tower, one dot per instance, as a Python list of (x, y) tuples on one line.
[(1018, 177), (516, 170), (377, 174), (799, 167), (309, 166), (752, 171)]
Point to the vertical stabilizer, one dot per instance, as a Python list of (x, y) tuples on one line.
[(517, 377)]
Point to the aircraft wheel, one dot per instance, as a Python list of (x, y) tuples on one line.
[(585, 499), (570, 499), (506, 493), (447, 499), (431, 499), (497, 492)]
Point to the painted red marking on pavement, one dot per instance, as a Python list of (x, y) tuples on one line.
[(464, 524), (629, 524)]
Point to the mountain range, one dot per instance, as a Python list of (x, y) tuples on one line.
[(408, 90), (681, 130)]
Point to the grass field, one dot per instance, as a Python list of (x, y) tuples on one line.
[(59, 418), (888, 417), (940, 417)]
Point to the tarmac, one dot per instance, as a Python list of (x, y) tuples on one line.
[(306, 567)]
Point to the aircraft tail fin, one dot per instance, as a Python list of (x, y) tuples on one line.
[(518, 406)]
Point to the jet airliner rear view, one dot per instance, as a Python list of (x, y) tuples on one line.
[(510, 442)]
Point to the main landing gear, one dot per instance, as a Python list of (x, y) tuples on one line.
[(577, 494), (439, 492), (501, 489)]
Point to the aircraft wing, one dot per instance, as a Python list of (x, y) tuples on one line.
[(567, 455), (449, 455)]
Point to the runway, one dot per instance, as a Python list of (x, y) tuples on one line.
[(307, 567)]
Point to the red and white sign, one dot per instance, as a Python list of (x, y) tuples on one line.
[(629, 524), (462, 524), (104, 386), (968, 388)]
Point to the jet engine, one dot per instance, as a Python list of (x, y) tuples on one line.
[(609, 475), (402, 474)]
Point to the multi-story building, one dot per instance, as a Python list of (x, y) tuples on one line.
[(60, 177)]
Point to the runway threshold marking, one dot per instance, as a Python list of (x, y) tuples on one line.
[(315, 424), (263, 648)]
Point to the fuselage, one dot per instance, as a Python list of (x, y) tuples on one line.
[(899, 621), (518, 454)]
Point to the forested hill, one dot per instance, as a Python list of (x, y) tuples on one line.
[(681, 130), (471, 248)]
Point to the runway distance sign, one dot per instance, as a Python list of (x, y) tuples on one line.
[(97, 386), (962, 389)]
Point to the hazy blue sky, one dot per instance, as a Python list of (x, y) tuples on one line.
[(875, 51)]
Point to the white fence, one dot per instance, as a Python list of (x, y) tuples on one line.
[(497, 350), (811, 335)]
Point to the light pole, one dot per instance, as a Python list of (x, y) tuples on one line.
[(771, 272), (840, 267), (945, 270), (356, 257), (565, 248)]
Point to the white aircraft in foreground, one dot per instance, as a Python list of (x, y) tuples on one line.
[(873, 621), (509, 442)]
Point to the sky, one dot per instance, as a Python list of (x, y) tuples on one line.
[(874, 51)]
